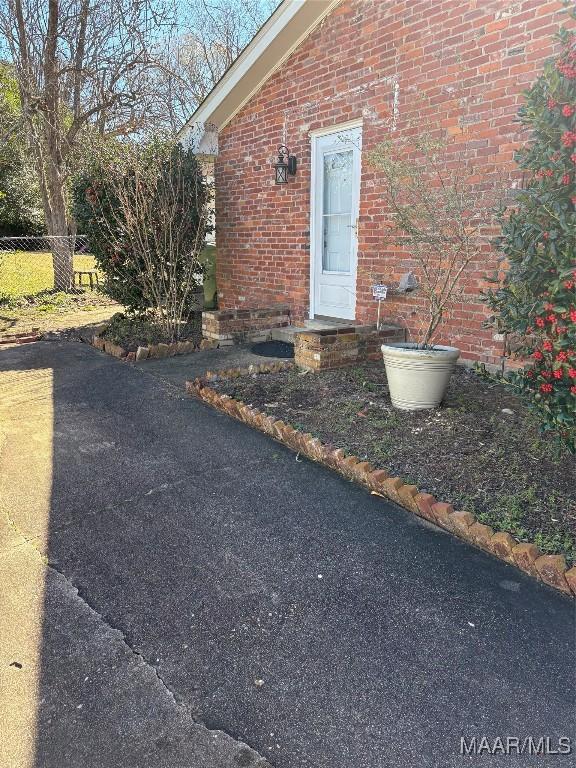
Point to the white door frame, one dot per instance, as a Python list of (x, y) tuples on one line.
[(313, 202)]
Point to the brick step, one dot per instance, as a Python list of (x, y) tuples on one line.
[(343, 345)]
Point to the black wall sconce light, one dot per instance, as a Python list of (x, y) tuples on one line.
[(286, 164)]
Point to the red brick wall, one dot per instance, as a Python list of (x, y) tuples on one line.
[(460, 65)]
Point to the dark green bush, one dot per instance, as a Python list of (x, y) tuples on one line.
[(144, 212), (20, 204), (536, 303)]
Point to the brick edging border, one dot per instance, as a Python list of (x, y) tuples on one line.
[(152, 351), (21, 338), (550, 569)]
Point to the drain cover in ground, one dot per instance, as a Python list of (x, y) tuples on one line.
[(273, 349)]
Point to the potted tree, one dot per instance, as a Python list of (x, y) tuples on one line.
[(442, 222)]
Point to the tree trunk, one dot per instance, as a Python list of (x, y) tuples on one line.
[(54, 155), (57, 224)]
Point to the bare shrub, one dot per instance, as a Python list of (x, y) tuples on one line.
[(146, 214), (438, 214)]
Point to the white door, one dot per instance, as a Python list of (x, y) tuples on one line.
[(334, 244)]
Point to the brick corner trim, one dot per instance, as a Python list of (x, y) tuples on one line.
[(339, 347), (550, 569), (237, 326), (151, 351)]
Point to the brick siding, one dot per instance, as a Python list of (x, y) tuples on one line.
[(459, 66)]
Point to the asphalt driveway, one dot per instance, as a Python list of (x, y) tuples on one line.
[(201, 597)]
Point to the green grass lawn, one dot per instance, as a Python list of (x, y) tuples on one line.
[(28, 299), (26, 273)]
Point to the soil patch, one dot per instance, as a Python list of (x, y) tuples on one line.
[(133, 332), (482, 450)]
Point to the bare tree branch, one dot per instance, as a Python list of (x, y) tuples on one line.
[(211, 35)]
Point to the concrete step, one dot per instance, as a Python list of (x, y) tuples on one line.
[(285, 334), (325, 324)]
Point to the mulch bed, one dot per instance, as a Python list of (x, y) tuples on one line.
[(482, 451), (133, 332)]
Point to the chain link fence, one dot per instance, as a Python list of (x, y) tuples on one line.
[(30, 266)]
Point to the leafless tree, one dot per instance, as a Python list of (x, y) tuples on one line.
[(83, 66), (211, 35), (89, 68)]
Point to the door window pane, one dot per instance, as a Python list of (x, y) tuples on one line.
[(337, 212)]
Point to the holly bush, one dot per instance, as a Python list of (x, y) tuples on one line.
[(536, 301)]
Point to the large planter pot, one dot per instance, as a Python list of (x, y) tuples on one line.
[(418, 378)]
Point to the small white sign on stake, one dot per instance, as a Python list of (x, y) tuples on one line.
[(379, 291)]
